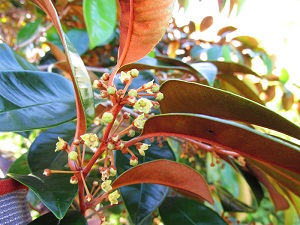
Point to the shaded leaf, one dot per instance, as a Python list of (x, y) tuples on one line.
[(54, 191), (100, 19), (226, 134), (142, 199), (214, 52), (167, 173), (207, 70), (232, 67), (72, 217), (20, 166), (80, 40), (206, 23), (178, 211), (215, 102), (279, 201), (31, 100), (232, 204), (12, 61), (142, 25)]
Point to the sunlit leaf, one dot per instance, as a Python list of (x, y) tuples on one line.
[(207, 70), (178, 211), (167, 173), (100, 19), (206, 23), (196, 98), (142, 25), (30, 100), (226, 134)]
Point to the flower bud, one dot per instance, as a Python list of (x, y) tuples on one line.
[(47, 172), (103, 94), (134, 73), (105, 77), (107, 117), (111, 90), (155, 88), (73, 156), (133, 161), (96, 84), (131, 133), (73, 180), (159, 96), (132, 93)]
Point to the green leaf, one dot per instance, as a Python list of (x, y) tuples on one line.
[(20, 166), (226, 134), (230, 203), (44, 145), (12, 61), (31, 100), (178, 211), (71, 218), (142, 199), (167, 173), (284, 77), (29, 30), (200, 99), (214, 52), (207, 70), (100, 19), (54, 191), (80, 40)]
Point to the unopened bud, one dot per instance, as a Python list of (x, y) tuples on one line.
[(73, 156), (134, 73), (111, 90), (107, 117)]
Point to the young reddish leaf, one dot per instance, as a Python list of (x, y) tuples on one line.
[(279, 201), (226, 134), (143, 24), (80, 78), (167, 173), (196, 98), (206, 23)]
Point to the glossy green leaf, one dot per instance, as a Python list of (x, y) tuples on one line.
[(80, 78), (100, 18), (30, 100), (167, 173), (12, 61), (240, 87), (226, 134), (230, 203), (54, 191), (26, 32), (178, 211), (196, 98), (72, 217), (20, 166), (142, 199), (44, 145)]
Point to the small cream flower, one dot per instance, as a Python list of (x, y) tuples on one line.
[(60, 145), (139, 121), (148, 87), (90, 140), (106, 185), (143, 105), (125, 76), (113, 197), (143, 148)]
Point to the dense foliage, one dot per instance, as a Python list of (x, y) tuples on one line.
[(137, 120)]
